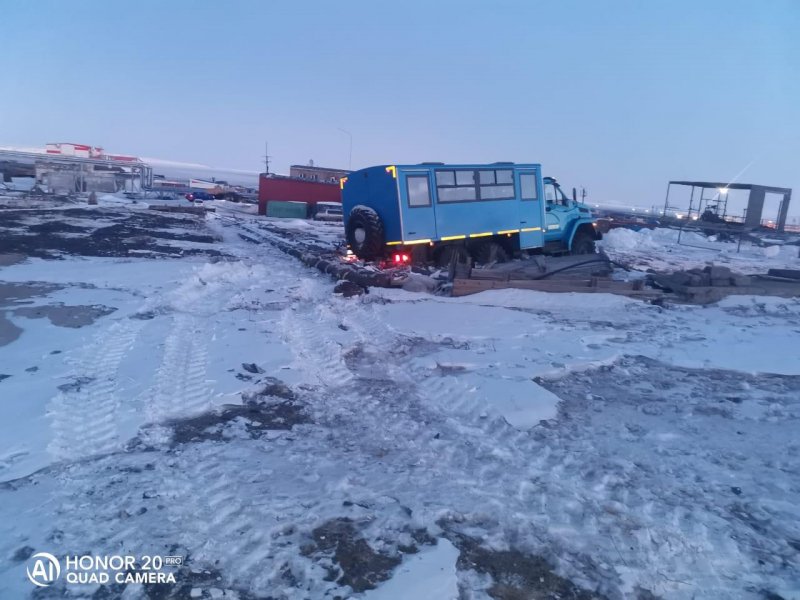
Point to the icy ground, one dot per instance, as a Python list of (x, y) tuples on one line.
[(227, 407)]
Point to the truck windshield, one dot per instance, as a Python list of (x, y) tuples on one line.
[(553, 194)]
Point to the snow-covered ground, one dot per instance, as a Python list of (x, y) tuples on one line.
[(669, 249), (290, 443)]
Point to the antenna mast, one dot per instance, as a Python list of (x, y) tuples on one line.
[(266, 158)]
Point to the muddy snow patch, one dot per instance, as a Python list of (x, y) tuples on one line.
[(63, 315), (347, 557), (253, 420), (510, 574), (8, 331)]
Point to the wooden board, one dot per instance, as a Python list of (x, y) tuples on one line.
[(535, 268), (464, 287), (785, 273)]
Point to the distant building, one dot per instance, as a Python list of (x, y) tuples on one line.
[(68, 168), (320, 174), (274, 188)]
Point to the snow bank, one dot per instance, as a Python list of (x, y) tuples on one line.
[(649, 239), (669, 250)]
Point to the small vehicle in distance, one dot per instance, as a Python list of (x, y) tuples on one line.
[(328, 211), (198, 196)]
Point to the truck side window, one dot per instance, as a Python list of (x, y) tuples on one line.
[(419, 193), (456, 186), (527, 181), (445, 178), (496, 185)]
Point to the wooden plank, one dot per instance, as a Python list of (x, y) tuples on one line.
[(786, 273), (464, 287), (488, 274)]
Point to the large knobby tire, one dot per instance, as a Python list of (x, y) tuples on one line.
[(365, 233), (583, 243)]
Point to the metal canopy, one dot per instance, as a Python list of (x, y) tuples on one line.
[(733, 186), (717, 206)]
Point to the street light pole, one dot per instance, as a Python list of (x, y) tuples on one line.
[(350, 159)]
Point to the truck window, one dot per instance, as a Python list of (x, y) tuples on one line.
[(419, 193), (456, 186), (496, 184), (527, 183)]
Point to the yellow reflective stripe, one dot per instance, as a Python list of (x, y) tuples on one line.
[(526, 229), (393, 243), (341, 182), (409, 242), (392, 170), (453, 237), (487, 234), (507, 231)]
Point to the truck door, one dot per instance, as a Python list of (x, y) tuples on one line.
[(555, 210), (416, 207), (531, 215)]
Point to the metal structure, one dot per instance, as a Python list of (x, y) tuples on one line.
[(717, 204), (69, 174)]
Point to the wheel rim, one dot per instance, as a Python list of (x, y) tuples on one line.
[(360, 235)]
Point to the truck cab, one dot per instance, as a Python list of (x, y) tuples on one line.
[(565, 220)]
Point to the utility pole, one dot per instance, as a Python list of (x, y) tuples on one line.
[(350, 159), (266, 158)]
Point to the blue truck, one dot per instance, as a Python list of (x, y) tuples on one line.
[(437, 213)]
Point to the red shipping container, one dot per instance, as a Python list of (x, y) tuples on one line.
[(289, 189)]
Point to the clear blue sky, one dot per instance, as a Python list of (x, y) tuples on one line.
[(618, 96)]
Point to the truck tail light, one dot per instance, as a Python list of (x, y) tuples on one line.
[(401, 259)]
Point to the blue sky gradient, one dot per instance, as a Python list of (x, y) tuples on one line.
[(617, 96)]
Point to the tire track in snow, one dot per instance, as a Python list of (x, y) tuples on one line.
[(487, 462), (446, 392), (180, 389), (304, 328), (234, 528), (83, 418)]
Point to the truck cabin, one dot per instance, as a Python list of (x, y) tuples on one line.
[(430, 211)]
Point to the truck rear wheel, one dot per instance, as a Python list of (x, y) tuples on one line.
[(454, 258), (487, 253), (444, 255), (364, 233)]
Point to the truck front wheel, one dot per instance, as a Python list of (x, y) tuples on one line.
[(583, 243), (364, 233)]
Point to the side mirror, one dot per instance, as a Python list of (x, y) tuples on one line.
[(574, 195)]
